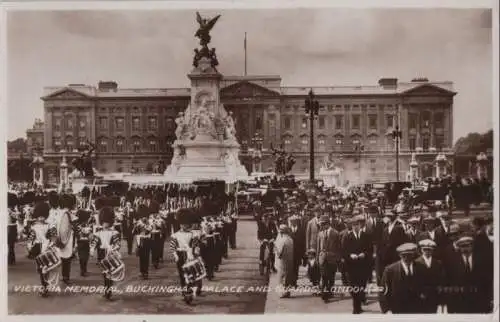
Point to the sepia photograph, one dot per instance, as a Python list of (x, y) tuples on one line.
[(274, 160)]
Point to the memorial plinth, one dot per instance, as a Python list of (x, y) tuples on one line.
[(206, 147)]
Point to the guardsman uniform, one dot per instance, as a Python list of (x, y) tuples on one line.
[(106, 241), (208, 247), (83, 237), (39, 237), (142, 234), (128, 226)]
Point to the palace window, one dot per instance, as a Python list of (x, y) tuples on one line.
[(82, 124), (286, 123), (338, 142), (412, 142), (372, 121), (373, 143), (103, 145), (321, 122), (57, 144), (425, 143), (70, 144), (304, 141), (288, 141), (389, 120), (136, 123), (439, 142), (304, 123), (170, 124), (339, 122), (426, 119), (152, 145), (258, 123), (120, 124), (103, 123), (412, 120), (355, 121), (57, 124), (136, 145), (355, 142), (152, 123), (69, 124), (119, 145), (439, 120)]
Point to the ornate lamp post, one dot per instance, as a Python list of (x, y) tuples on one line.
[(312, 108), (441, 163), (481, 162), (396, 135)]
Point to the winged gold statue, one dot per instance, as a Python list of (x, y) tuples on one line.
[(203, 32)]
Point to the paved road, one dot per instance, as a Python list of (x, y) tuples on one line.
[(239, 270)]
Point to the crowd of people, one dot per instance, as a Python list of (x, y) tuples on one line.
[(422, 256), (420, 253)]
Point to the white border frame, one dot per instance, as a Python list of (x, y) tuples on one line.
[(243, 4)]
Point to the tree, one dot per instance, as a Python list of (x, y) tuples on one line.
[(474, 143), (17, 145)]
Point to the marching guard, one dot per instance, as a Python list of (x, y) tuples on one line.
[(83, 235), (185, 248), (39, 241), (128, 226), (107, 244), (12, 228), (156, 224), (142, 233)]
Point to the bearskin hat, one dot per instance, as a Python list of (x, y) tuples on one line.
[(53, 199), (184, 217), (142, 211), (83, 215), (67, 201), (42, 209), (114, 201), (107, 215), (27, 198), (101, 203), (154, 207), (12, 200), (130, 196)]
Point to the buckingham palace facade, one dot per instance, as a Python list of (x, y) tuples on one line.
[(133, 129)]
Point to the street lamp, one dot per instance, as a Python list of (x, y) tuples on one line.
[(312, 108), (396, 135)]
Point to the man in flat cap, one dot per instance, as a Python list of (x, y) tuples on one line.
[(433, 276), (401, 283), (470, 280), (329, 253), (357, 254), (298, 234)]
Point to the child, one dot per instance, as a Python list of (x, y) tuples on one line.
[(313, 271)]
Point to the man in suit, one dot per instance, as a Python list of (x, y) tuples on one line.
[(374, 226), (357, 254), (298, 234), (285, 254), (470, 280), (401, 283), (312, 230), (392, 237), (433, 276), (328, 250)]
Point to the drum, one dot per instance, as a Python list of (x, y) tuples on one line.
[(48, 260), (194, 270), (112, 264), (64, 229)]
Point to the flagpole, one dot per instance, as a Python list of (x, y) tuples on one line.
[(245, 47)]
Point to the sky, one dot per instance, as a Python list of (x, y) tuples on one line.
[(306, 47)]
